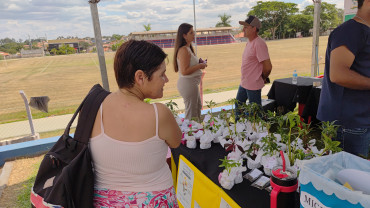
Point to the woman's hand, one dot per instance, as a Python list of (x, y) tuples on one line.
[(203, 65)]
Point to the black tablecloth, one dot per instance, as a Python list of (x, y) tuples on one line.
[(287, 94), (312, 104), (207, 161)]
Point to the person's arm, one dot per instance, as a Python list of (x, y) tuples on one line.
[(184, 62), (341, 59), (168, 128), (267, 67)]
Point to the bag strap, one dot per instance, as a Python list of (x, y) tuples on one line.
[(87, 112)]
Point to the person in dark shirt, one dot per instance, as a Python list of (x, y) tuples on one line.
[(345, 95)]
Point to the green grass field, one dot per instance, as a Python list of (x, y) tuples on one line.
[(67, 79)]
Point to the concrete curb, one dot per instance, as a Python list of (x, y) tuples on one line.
[(20, 139), (4, 176)]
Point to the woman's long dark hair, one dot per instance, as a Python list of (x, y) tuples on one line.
[(184, 28)]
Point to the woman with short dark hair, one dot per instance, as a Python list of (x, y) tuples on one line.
[(190, 70), (130, 138)]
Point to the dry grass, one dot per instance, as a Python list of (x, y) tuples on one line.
[(67, 79), (20, 181)]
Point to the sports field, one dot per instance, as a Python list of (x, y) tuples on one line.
[(66, 79)]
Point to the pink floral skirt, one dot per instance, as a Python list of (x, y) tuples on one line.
[(104, 198)]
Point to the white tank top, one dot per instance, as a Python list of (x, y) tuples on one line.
[(130, 166), (193, 61)]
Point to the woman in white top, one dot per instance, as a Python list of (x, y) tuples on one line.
[(190, 71), (130, 138)]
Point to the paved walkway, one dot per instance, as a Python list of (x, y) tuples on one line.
[(20, 128)]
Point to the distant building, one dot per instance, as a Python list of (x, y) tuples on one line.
[(58, 43), (205, 36), (32, 53), (240, 37), (4, 54)]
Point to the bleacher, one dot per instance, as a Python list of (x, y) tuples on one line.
[(204, 40), (164, 43), (215, 40)]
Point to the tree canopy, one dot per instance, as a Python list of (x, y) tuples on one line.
[(273, 13), (116, 37), (10, 45), (147, 27), (225, 20), (330, 16), (280, 19)]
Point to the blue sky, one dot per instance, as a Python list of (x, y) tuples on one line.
[(52, 18)]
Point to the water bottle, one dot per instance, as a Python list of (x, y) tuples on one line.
[(295, 77)]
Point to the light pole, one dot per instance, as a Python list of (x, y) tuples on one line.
[(315, 38), (99, 42)]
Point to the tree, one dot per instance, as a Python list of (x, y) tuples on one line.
[(116, 37), (34, 45), (7, 40), (11, 47), (116, 45), (65, 49), (54, 51), (84, 45), (329, 15), (272, 14), (301, 23), (340, 15), (225, 20), (147, 27)]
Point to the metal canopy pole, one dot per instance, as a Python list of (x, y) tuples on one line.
[(195, 29), (28, 110), (315, 38), (99, 42)]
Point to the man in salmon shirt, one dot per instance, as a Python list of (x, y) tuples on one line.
[(256, 64)]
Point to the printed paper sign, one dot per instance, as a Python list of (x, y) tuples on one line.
[(307, 200), (196, 205), (185, 183), (224, 204)]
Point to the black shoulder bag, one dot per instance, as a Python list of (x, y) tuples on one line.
[(65, 177)]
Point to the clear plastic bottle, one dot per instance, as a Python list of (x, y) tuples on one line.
[(295, 77)]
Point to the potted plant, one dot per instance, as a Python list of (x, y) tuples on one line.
[(328, 132), (292, 120), (253, 156), (227, 177)]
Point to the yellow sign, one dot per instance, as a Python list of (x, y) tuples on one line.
[(195, 190)]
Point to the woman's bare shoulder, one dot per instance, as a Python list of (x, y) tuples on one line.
[(184, 50), (163, 109)]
